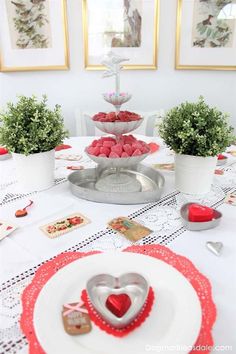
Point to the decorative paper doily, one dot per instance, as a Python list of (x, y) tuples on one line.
[(199, 282)]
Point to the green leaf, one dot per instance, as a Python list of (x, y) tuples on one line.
[(29, 126), (196, 129)]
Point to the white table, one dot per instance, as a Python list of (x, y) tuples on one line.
[(28, 246)]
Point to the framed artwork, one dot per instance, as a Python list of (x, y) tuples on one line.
[(206, 35), (128, 28), (33, 35)]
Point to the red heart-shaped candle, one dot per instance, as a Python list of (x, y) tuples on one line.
[(118, 304), (221, 157), (200, 213), (3, 151)]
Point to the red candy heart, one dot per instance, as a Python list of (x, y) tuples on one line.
[(200, 213), (108, 143), (122, 116), (124, 154), (153, 147), (128, 149), (114, 155), (137, 152), (118, 304), (117, 149), (105, 150)]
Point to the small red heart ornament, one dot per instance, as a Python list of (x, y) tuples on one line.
[(118, 304), (21, 213), (221, 157), (62, 147), (153, 147), (3, 151), (200, 213)]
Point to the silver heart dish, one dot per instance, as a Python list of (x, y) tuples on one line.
[(215, 247), (198, 226), (101, 286)]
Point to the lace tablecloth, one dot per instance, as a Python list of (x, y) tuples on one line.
[(21, 255)]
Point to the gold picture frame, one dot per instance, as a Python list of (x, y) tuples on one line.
[(201, 56), (24, 59), (153, 65)]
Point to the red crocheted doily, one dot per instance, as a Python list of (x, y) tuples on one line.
[(95, 317), (199, 282)]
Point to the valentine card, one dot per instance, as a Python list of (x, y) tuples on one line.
[(6, 229), (62, 226), (230, 198), (219, 172), (232, 152), (164, 166), (132, 230), (68, 157)]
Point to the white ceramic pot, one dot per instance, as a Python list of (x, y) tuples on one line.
[(194, 174), (35, 172)]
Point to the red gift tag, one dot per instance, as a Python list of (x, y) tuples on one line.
[(200, 213)]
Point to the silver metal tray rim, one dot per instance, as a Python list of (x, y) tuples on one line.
[(126, 198)]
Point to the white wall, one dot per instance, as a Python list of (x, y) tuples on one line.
[(151, 89)]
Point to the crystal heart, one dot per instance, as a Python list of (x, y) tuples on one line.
[(118, 304), (118, 300), (215, 247)]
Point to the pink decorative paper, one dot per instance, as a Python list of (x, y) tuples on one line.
[(200, 283)]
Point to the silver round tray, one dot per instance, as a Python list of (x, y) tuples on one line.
[(82, 185)]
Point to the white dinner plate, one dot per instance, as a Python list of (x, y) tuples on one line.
[(175, 319)]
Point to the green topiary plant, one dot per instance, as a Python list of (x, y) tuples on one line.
[(196, 129), (29, 126)]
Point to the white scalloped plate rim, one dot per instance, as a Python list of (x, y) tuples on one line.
[(174, 320)]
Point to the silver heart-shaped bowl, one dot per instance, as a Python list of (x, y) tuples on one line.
[(101, 286), (5, 157), (198, 226), (222, 161)]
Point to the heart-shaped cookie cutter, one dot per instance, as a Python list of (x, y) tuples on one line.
[(101, 286)]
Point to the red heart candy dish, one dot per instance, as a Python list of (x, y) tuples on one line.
[(221, 159)]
